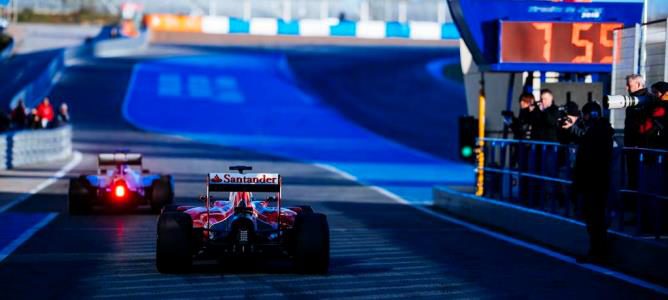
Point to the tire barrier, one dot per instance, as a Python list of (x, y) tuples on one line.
[(32, 146)]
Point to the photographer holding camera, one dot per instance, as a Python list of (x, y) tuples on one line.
[(593, 135), (548, 123), (635, 86), (645, 123), (570, 123)]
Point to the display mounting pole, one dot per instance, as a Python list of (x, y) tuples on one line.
[(480, 154)]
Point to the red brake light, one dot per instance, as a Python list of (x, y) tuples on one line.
[(119, 191)]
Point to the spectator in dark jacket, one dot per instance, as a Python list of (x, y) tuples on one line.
[(591, 177), (63, 116), (19, 116), (524, 125), (34, 121), (4, 121), (547, 127)]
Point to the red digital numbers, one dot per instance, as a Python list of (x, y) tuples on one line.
[(547, 47), (605, 38), (557, 42), (578, 41)]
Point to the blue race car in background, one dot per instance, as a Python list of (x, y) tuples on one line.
[(120, 184)]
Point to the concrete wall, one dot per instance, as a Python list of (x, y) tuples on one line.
[(32, 146), (645, 258)]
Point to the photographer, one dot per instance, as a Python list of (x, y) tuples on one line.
[(524, 126), (548, 125), (635, 86), (568, 117), (591, 181)]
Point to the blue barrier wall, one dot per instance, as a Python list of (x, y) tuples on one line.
[(29, 76)]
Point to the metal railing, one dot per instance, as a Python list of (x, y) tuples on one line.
[(642, 198), (539, 175), (515, 169)]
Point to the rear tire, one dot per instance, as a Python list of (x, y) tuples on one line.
[(79, 197), (174, 245), (161, 193), (311, 243)]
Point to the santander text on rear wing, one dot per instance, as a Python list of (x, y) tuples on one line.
[(250, 182)]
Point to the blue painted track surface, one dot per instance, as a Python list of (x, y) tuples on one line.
[(14, 225), (255, 101)]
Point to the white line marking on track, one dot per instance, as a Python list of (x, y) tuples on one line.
[(564, 258), (76, 159), (5, 252)]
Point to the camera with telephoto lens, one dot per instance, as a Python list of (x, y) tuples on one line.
[(620, 101)]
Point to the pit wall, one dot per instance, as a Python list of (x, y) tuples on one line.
[(304, 28), (641, 257)]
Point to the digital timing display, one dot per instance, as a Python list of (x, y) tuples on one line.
[(557, 42)]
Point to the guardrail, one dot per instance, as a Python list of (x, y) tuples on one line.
[(538, 175), (30, 146)]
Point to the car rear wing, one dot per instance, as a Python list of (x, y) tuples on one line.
[(241, 182), (112, 159), (249, 182)]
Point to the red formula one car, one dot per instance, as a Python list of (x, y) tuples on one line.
[(249, 223)]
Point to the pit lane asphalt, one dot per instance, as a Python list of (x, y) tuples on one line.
[(380, 249)]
